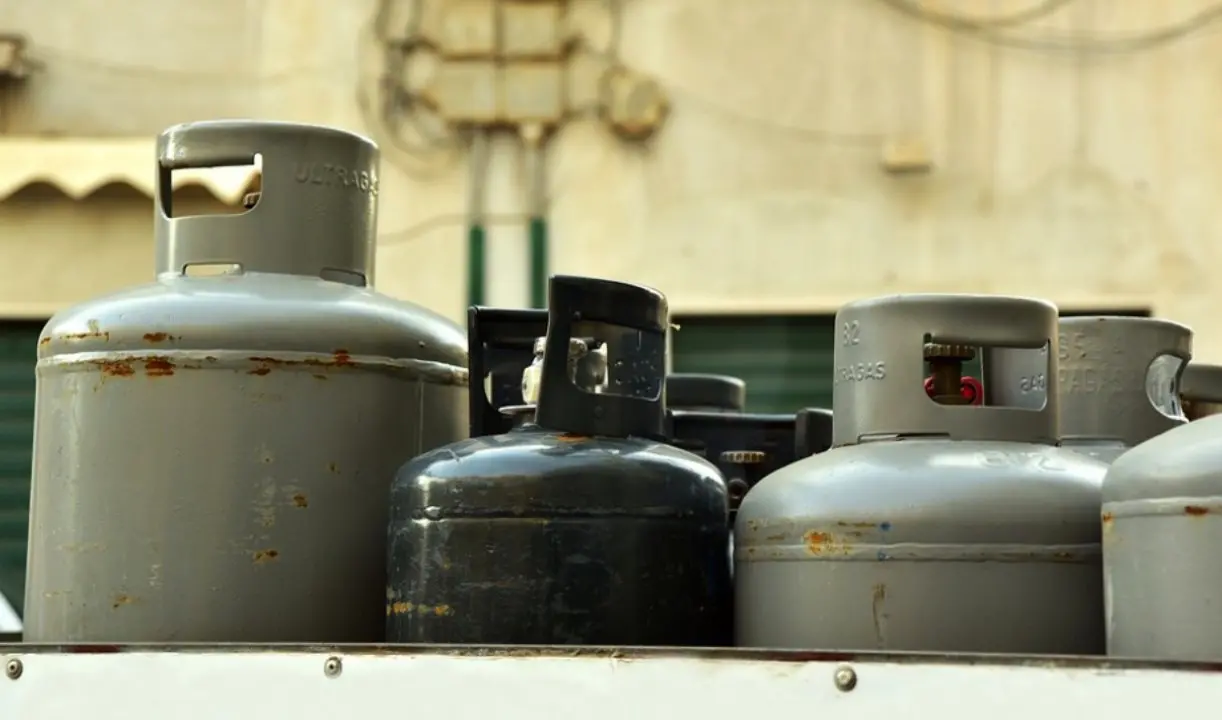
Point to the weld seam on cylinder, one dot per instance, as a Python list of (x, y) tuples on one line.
[(424, 370), (837, 551), (1177, 506)]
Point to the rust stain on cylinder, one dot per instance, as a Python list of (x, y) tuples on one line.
[(265, 556), (301, 501), (105, 336), (115, 368), (825, 543), (156, 337), (1195, 510), (158, 367), (817, 542), (878, 615), (121, 600), (403, 608), (339, 359)]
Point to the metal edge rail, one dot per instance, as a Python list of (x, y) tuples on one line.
[(189, 682)]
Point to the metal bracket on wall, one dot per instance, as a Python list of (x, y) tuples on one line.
[(14, 65)]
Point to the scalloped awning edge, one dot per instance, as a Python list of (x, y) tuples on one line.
[(78, 167)]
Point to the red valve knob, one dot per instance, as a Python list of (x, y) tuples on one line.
[(969, 387), (972, 389)]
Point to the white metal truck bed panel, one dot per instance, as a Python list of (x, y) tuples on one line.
[(147, 683)]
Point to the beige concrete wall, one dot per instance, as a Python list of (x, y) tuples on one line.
[(1090, 179)]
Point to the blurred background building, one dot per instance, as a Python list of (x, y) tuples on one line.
[(760, 161)]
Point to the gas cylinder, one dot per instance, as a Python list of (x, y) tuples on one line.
[(211, 451), (500, 344), (1201, 390), (711, 393), (503, 347), (1162, 526), (744, 446), (932, 524), (812, 432), (704, 415), (580, 527), (1117, 381)]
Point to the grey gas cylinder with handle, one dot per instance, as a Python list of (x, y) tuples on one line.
[(1201, 390), (1162, 527), (211, 452), (932, 524), (1117, 381)]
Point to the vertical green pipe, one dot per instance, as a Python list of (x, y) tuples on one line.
[(538, 262), (476, 237), (476, 232)]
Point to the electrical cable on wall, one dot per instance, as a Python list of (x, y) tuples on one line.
[(59, 57), (972, 23), (394, 111), (1080, 44)]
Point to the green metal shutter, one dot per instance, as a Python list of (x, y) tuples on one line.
[(18, 348), (786, 360)]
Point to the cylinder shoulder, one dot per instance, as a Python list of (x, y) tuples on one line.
[(936, 491), (257, 312), (536, 470), (1183, 461)]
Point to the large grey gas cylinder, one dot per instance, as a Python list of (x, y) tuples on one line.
[(931, 525), (211, 452), (1201, 390), (1162, 527)]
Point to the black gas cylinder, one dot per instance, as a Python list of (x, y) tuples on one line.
[(812, 432), (581, 527), (700, 391), (500, 347), (745, 447)]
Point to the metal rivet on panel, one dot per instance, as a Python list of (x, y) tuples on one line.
[(846, 678)]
